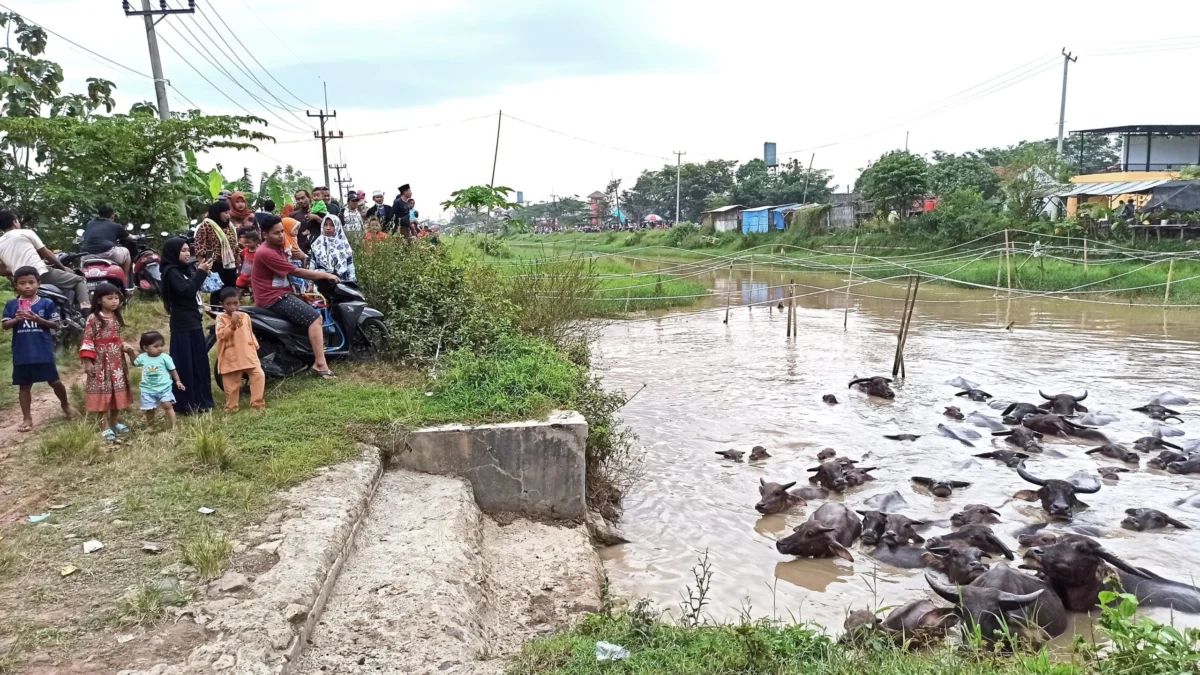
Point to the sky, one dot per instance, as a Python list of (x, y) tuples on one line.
[(593, 90)]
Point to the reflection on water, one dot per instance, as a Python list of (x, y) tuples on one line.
[(712, 386)]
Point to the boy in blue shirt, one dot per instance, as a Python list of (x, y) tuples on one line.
[(32, 319)]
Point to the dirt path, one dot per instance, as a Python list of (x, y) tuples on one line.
[(18, 499)]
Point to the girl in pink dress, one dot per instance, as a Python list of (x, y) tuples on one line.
[(103, 355)]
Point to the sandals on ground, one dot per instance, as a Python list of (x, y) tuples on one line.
[(108, 435), (121, 429)]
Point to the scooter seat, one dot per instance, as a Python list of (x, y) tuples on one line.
[(271, 318)]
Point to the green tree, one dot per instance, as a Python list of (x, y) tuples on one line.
[(654, 191), (895, 181), (950, 173), (30, 85)]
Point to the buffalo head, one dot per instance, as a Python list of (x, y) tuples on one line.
[(1149, 519), (775, 498), (812, 539), (1057, 496), (874, 386), (960, 564), (973, 514), (987, 608), (1063, 404), (1073, 566)]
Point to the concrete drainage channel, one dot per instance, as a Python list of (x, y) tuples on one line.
[(397, 571)]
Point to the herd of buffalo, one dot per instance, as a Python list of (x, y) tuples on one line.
[(1068, 570)]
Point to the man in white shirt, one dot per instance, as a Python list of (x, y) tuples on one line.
[(20, 248)]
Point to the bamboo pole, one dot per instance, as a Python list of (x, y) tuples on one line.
[(628, 293), (1008, 259), (908, 324), (1170, 273), (900, 332), (846, 315), (1085, 253), (751, 303), (729, 293), (789, 310)]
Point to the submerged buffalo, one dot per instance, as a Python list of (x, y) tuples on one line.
[(839, 473), (879, 387), (830, 399), (735, 455), (902, 437), (828, 533), (954, 413), (975, 394), (1004, 601), (1057, 425), (1152, 443), (1009, 458), (1112, 472), (1149, 519), (1063, 404), (758, 453), (1023, 437), (979, 536), (1057, 496), (1116, 451), (1158, 412), (960, 563), (1073, 567), (777, 497), (1016, 412), (940, 487), (914, 625), (975, 514), (892, 529), (1191, 465), (1167, 457)]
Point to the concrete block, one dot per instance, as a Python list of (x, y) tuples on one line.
[(534, 468)]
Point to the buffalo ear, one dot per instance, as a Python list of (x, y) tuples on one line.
[(1178, 524), (959, 484), (861, 512), (916, 522), (814, 469), (922, 480), (1079, 408), (932, 559), (840, 551), (1027, 495), (917, 539)]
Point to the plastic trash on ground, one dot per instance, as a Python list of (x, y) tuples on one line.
[(607, 651), (92, 545), (204, 510)]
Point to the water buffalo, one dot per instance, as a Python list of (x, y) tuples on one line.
[(831, 474), (1158, 412), (1112, 472), (980, 420), (953, 413), (830, 399), (1057, 425), (979, 536), (1166, 457), (1191, 465), (940, 487), (1016, 412), (735, 455), (856, 476), (892, 529), (960, 563), (775, 498), (1170, 398), (1004, 600), (975, 394), (1117, 452), (827, 533), (1149, 519), (902, 437), (1057, 496), (827, 453), (1063, 404), (975, 514), (758, 453), (886, 501), (1152, 443), (964, 436), (1023, 437), (1097, 419), (874, 386), (1040, 538), (1009, 458), (1073, 567), (913, 625)]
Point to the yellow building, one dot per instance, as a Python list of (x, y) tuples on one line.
[(1150, 156)]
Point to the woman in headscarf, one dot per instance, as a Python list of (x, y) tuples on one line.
[(182, 281), (331, 251), (217, 241), (239, 208)]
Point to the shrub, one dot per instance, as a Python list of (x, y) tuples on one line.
[(497, 248), (207, 552), (635, 238), (8, 561), (678, 233), (554, 300), (148, 602), (961, 216)]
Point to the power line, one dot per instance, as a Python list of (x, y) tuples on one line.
[(584, 140), (273, 34), (396, 131), (66, 39), (260, 65)]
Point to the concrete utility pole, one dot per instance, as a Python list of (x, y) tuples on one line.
[(678, 166), (338, 168), (496, 152), (324, 137), (160, 82), (1062, 110)]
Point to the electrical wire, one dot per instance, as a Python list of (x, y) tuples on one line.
[(67, 39), (396, 131), (260, 65), (584, 140)]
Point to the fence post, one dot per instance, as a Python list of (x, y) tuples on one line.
[(1008, 259), (1170, 272), (729, 292), (846, 315), (751, 303), (1085, 253)]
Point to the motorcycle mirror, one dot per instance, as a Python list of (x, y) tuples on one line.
[(194, 223), (145, 226), (78, 233), (129, 227), (165, 234)]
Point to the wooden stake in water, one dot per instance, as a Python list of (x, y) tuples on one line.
[(1085, 253), (908, 324), (1170, 272), (900, 331), (1008, 259), (846, 315), (751, 303), (729, 293), (788, 290)]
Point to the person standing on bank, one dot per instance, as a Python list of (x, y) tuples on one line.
[(182, 281), (216, 242), (401, 212)]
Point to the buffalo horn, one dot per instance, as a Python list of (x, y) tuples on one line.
[(949, 592), (1031, 478), (1045, 396), (1016, 600), (1080, 398), (1108, 557), (788, 486)]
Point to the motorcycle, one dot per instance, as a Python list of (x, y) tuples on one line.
[(70, 318), (352, 329), (147, 275)]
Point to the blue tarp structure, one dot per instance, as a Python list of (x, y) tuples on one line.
[(619, 215), (777, 215), (756, 220)]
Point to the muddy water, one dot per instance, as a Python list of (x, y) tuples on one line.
[(712, 386)]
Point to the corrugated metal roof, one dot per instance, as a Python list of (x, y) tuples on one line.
[(1120, 188), (723, 209), (758, 208), (1178, 129)]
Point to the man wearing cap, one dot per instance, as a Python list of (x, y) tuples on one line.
[(380, 210), (402, 212), (352, 220)]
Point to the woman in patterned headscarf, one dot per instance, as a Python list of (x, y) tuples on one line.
[(239, 209), (331, 251)]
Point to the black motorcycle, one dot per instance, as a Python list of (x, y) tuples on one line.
[(70, 318), (352, 329)]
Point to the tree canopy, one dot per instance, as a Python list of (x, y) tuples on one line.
[(895, 181)]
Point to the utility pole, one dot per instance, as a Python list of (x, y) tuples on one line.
[(160, 82), (804, 199), (338, 168), (496, 152), (1068, 59), (324, 137), (678, 167)]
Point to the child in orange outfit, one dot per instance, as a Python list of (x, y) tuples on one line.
[(237, 353)]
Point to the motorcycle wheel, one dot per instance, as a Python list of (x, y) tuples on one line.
[(371, 339)]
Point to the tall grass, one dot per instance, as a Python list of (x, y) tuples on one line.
[(71, 443), (207, 551), (209, 444)]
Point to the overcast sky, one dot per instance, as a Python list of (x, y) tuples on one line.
[(640, 79)]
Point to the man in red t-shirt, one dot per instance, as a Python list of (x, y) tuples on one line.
[(272, 290)]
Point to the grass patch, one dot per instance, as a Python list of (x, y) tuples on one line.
[(148, 603), (209, 444), (207, 551), (9, 560), (76, 441)]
